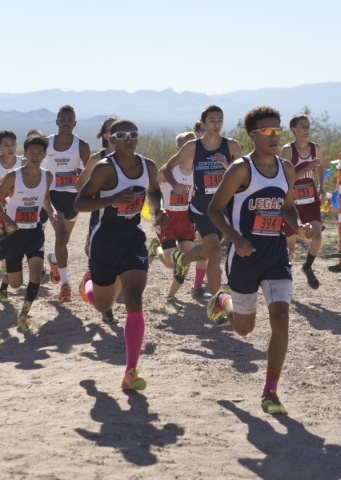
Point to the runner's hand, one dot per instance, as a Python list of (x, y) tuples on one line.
[(322, 194), (243, 247), (306, 231), (54, 222), (315, 163), (123, 198), (161, 218), (220, 158)]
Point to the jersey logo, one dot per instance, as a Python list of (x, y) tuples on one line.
[(267, 203)]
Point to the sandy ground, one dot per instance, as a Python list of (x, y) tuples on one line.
[(64, 416)]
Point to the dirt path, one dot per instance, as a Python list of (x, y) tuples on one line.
[(64, 416)]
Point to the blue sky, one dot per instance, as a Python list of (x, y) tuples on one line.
[(213, 46)]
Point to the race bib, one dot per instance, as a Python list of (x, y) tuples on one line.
[(178, 201), (212, 180), (66, 179), (267, 222), (304, 193), (26, 217), (131, 209)]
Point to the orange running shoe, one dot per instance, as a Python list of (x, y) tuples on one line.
[(65, 293), (54, 273), (81, 288), (131, 381)]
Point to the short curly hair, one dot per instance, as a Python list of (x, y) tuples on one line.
[(258, 113)]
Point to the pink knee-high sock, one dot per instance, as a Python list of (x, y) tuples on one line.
[(89, 290), (199, 277), (133, 335)]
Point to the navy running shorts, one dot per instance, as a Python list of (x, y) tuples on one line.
[(114, 250), (269, 262), (204, 225), (63, 202)]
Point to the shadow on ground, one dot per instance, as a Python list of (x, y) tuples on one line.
[(295, 455), (129, 431)]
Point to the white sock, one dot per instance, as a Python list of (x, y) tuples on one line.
[(53, 258), (63, 276), (171, 254)]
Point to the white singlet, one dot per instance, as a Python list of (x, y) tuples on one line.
[(4, 171), (63, 165), (25, 204), (177, 202)]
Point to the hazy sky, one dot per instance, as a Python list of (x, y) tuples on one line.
[(213, 46)]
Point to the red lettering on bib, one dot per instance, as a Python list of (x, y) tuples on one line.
[(304, 193), (212, 180), (26, 217), (66, 179), (267, 222), (132, 209), (178, 199)]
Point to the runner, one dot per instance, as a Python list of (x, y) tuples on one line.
[(28, 189), (258, 192), (306, 157), (179, 231), (108, 144), (209, 157), (66, 156), (117, 244), (199, 129), (43, 217), (8, 161)]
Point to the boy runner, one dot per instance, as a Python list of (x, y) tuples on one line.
[(257, 192), (209, 157), (108, 147), (306, 157), (8, 161), (179, 230), (117, 188), (67, 154), (28, 190)]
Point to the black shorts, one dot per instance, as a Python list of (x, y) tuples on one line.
[(43, 217), (269, 262), (114, 250), (203, 224), (63, 202), (29, 242)]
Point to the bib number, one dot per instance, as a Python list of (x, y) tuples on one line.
[(129, 210), (304, 193), (66, 179), (26, 217), (212, 180), (178, 201), (267, 222)]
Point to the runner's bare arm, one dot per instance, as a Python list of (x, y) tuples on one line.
[(52, 214), (286, 155), (290, 212), (320, 172), (103, 176), (85, 174), (234, 179), (235, 150), (84, 151), (184, 156), (155, 195), (7, 188)]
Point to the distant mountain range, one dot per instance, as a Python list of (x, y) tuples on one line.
[(154, 111)]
